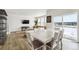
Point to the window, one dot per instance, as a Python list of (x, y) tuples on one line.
[(70, 20), (41, 21), (58, 21), (68, 23), (70, 26)]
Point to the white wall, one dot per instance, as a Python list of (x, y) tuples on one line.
[(14, 22), (50, 25), (78, 28), (15, 18)]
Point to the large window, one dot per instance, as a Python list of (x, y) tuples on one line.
[(41, 21), (70, 20), (58, 22), (70, 26), (68, 23)]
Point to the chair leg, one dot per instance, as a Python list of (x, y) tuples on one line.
[(61, 45)]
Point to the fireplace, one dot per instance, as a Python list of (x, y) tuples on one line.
[(23, 28)]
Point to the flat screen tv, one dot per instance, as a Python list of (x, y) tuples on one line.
[(25, 22)]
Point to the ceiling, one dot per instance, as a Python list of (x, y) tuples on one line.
[(56, 12), (26, 12), (39, 12)]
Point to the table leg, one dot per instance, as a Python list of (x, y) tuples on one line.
[(44, 47)]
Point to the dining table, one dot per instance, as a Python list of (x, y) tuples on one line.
[(44, 36)]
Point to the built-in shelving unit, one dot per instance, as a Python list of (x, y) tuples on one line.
[(3, 26)]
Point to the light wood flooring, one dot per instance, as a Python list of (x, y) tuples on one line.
[(15, 42)]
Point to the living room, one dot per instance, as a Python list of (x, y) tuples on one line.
[(21, 21)]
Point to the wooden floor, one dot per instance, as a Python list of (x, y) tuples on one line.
[(15, 42), (19, 42)]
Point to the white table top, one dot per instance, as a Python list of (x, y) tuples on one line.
[(42, 35)]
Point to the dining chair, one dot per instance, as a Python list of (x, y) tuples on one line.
[(56, 42), (35, 44), (29, 40), (60, 38), (50, 45)]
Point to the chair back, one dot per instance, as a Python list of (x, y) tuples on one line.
[(60, 38), (56, 34), (54, 40), (29, 40), (57, 38), (61, 34)]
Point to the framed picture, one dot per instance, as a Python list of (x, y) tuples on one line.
[(48, 19)]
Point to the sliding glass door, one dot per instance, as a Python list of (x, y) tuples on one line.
[(70, 26), (57, 22), (68, 23)]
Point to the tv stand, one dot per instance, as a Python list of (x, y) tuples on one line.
[(23, 28)]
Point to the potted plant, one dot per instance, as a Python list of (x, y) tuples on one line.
[(36, 23)]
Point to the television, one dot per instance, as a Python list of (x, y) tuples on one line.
[(25, 22)]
